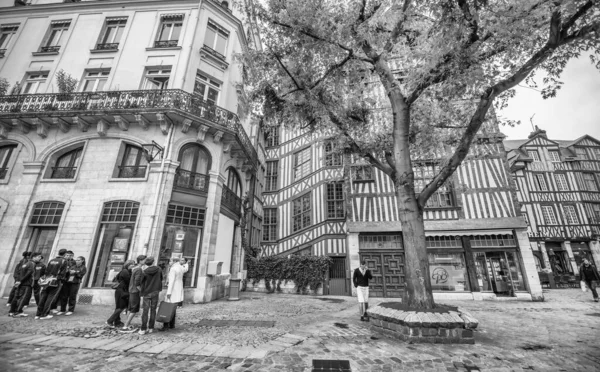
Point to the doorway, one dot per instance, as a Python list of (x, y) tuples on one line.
[(499, 272)]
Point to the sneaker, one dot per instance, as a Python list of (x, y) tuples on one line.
[(36, 317), (142, 332), (129, 329), (10, 314), (119, 325), (109, 325), (22, 315), (8, 304), (25, 307), (69, 313), (54, 311), (596, 299), (47, 317), (59, 313), (150, 330)]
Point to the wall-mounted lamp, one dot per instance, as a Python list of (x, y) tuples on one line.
[(152, 150)]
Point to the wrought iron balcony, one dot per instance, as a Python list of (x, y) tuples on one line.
[(50, 49), (230, 200), (134, 171), (191, 181), (63, 172), (3, 172), (130, 102), (108, 46), (165, 43)]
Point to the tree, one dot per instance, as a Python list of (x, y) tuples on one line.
[(404, 82)]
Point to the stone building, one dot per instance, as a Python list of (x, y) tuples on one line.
[(558, 189), (150, 153)]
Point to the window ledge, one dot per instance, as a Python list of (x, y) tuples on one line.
[(44, 53), (165, 48), (59, 180), (143, 179), (362, 181), (441, 208), (103, 50), (214, 58)]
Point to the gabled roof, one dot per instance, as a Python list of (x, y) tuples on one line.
[(563, 144)]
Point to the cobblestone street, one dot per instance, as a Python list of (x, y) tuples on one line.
[(286, 333)]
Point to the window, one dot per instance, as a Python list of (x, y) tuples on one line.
[(301, 213), (561, 182), (111, 35), (541, 182), (7, 34), (5, 155), (534, 155), (332, 158), (448, 272), (335, 200), (270, 224), (66, 164), (207, 88), (169, 31), (157, 78), (271, 175), (581, 153), (94, 81), (596, 216), (216, 38), (526, 218), (56, 36), (184, 215), (548, 214), (443, 197), (302, 163), (134, 163), (231, 196), (273, 137), (44, 223), (589, 182), (33, 81), (596, 152), (570, 215), (554, 156), (194, 164)]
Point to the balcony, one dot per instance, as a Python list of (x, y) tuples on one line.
[(165, 43), (63, 172), (107, 46), (135, 171), (231, 201), (120, 109), (3, 173), (191, 181), (50, 49)]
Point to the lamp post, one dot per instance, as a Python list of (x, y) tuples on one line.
[(152, 150)]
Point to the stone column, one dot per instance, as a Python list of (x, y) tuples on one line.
[(595, 248), (354, 257), (542, 247), (567, 246), (530, 273)]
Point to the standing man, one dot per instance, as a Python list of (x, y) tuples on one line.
[(150, 288), (23, 286), (589, 274), (75, 275), (135, 284), (40, 270), (174, 289), (16, 275), (361, 278), (56, 270), (63, 295)]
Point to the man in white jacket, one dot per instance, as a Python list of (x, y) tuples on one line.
[(174, 288)]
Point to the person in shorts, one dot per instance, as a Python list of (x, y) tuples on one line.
[(134, 293), (360, 279)]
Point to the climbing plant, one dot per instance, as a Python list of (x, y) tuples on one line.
[(304, 271)]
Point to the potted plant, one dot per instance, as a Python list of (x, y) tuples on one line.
[(66, 85)]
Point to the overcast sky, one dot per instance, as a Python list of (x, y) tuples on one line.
[(574, 111)]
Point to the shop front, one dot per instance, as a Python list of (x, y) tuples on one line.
[(581, 250)]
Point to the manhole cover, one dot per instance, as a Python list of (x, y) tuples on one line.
[(320, 365)]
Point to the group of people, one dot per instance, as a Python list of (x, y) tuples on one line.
[(52, 285), (140, 283)]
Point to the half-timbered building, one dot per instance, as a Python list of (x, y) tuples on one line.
[(559, 196)]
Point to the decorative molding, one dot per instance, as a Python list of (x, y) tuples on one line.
[(142, 121), (102, 127), (217, 136), (227, 147), (82, 124), (62, 124), (163, 121), (21, 125), (42, 127), (122, 122), (202, 129), (186, 125)]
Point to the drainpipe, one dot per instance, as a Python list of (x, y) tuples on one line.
[(159, 185)]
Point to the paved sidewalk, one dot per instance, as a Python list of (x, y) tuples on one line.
[(561, 334)]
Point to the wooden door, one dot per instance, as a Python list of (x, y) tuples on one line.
[(387, 268)]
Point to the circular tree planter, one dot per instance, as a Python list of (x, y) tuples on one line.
[(442, 325)]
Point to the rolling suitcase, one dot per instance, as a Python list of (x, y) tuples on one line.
[(165, 313)]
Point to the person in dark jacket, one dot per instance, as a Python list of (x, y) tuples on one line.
[(121, 295), (151, 287), (40, 270), (135, 284), (589, 274), (74, 276), (23, 284), (63, 297), (360, 279), (16, 273), (56, 269)]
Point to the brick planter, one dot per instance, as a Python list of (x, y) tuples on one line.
[(452, 327)]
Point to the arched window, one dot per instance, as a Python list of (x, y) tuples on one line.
[(194, 164), (134, 163), (233, 182), (5, 155), (66, 164), (44, 222)]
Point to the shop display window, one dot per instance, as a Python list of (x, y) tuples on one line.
[(499, 272), (448, 272)]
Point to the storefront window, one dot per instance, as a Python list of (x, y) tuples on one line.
[(515, 271), (499, 272), (448, 272)]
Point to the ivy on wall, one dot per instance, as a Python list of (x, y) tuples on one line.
[(305, 271)]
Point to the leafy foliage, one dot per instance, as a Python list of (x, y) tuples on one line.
[(65, 82), (304, 271), (4, 85)]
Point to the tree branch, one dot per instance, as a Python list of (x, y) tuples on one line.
[(575, 17), (471, 21), (286, 70)]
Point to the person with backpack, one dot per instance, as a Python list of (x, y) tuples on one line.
[(51, 284), (75, 274), (135, 284), (23, 284), (150, 288), (121, 288)]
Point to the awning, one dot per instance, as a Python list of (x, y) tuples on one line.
[(468, 232)]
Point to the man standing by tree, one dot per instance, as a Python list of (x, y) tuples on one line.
[(361, 278)]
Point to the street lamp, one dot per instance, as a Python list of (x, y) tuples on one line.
[(152, 150)]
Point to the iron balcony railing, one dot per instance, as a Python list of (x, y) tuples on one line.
[(132, 171), (191, 181), (136, 100), (231, 200), (107, 46), (50, 49), (3, 172), (63, 172), (165, 43)]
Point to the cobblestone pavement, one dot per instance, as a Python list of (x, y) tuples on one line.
[(560, 334)]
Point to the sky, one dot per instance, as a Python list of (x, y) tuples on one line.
[(574, 112)]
